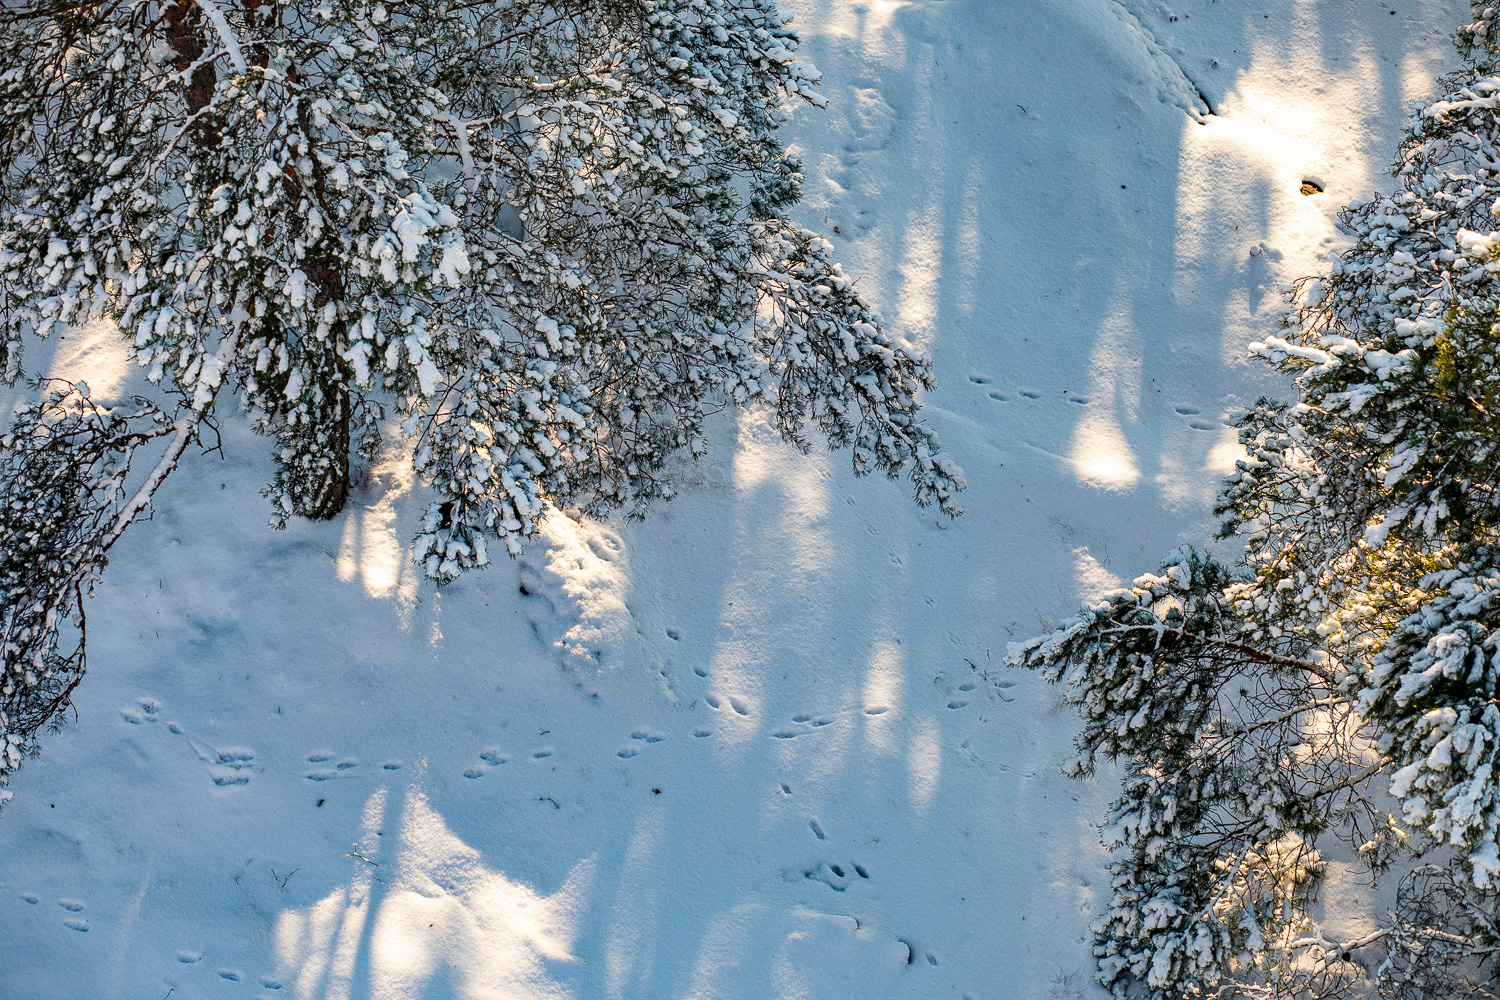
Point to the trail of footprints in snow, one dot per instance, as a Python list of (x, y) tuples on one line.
[(233, 975), (839, 876), (72, 906), (1194, 414), (225, 765), (493, 757), (234, 765)]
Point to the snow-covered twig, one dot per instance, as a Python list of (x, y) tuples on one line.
[(226, 34)]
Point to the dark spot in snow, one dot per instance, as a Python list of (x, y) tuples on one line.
[(1309, 187), (320, 803), (656, 791)]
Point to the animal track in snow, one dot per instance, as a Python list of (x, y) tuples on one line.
[(1193, 411), (391, 765), (644, 736), (31, 898), (816, 829), (269, 982), (189, 957), (912, 951), (73, 923), (226, 765), (997, 394), (700, 733), (328, 773), (980, 379), (229, 974), (149, 707), (806, 718), (1030, 393), (836, 876), (492, 756), (740, 707), (541, 752)]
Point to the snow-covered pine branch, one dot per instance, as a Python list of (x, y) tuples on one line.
[(1369, 511), (67, 495), (548, 234), (1224, 792)]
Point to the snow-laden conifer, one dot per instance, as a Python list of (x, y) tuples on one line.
[(548, 236), (1354, 648)]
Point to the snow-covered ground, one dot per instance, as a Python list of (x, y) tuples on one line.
[(761, 745)]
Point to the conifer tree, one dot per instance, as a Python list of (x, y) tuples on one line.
[(549, 236), (1262, 704)]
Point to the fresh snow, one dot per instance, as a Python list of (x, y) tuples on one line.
[(760, 745)]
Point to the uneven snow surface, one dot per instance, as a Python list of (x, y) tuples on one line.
[(761, 745)]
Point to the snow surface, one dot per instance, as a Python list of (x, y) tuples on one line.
[(760, 745)]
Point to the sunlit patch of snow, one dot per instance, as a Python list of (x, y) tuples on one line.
[(884, 678), (93, 352), (924, 763), (436, 909), (1093, 579)]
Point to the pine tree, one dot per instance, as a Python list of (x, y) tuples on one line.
[(548, 236), (1354, 646)]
